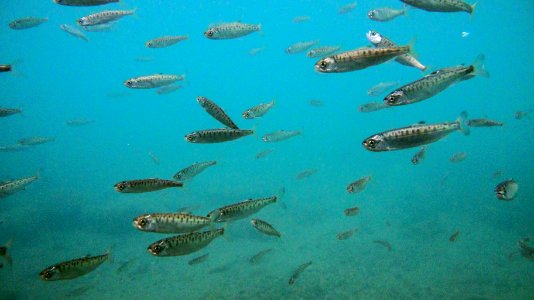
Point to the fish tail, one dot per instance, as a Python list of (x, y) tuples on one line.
[(411, 47), (461, 121), (213, 217), (473, 8), (479, 68)]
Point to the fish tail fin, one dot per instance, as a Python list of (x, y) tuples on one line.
[(462, 126), (473, 9), (411, 47), (479, 68), (225, 232), (427, 70), (110, 257)]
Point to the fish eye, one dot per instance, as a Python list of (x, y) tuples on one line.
[(373, 33), (323, 64), (142, 222), (209, 33), (149, 44), (371, 143), (370, 15), (129, 83), (157, 249)]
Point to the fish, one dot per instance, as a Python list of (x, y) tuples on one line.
[(145, 185), (383, 243), (521, 114), (5, 68), (5, 252), (216, 112), (372, 106), (153, 157), (301, 19), (220, 135), (347, 8), (184, 244), (10, 187), (358, 185), (167, 89), (73, 268), (36, 140), (483, 123), (104, 17), (99, 27), (258, 111), (315, 103), (126, 265), (73, 31), (322, 51), (258, 256), (78, 122), (152, 81), (280, 135), (193, 170), (435, 82), (84, 2), (454, 236), (255, 51), (298, 271), (414, 135), (506, 190), (300, 47), (385, 14), (26, 23), (381, 88), (13, 148), (496, 174), (442, 5), (349, 212), (419, 156), (346, 234), (380, 41), (171, 222), (78, 291), (524, 249), (263, 153), (6, 112), (265, 227), (199, 259), (241, 210), (165, 41), (359, 59), (230, 30), (306, 173), (465, 34), (458, 157)]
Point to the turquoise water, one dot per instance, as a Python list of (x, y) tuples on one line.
[(73, 210)]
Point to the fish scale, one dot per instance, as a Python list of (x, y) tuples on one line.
[(359, 59), (216, 135), (381, 41), (242, 209), (170, 222), (216, 112), (73, 268), (442, 5), (184, 244)]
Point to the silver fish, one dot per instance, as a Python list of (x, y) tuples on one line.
[(373, 106), (322, 51), (413, 136), (13, 148), (301, 47), (255, 51), (483, 123), (298, 271), (152, 81), (145, 185), (36, 140), (78, 122), (346, 234), (26, 23), (99, 27), (381, 88), (171, 222), (306, 174), (241, 210), (381, 41), (458, 157), (258, 110), (153, 157), (263, 153), (358, 185), (258, 256), (349, 212), (506, 190), (84, 2), (165, 41), (164, 90), (347, 8), (230, 30), (301, 19), (435, 83), (220, 135), (73, 31), (10, 187), (198, 260), (104, 17), (442, 5), (280, 135), (73, 268), (265, 227), (216, 112), (184, 244), (419, 156), (385, 14), (5, 112), (193, 170)]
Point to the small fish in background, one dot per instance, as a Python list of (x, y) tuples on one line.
[(419, 156), (322, 51), (385, 14), (26, 23), (256, 258), (524, 249), (153, 157), (349, 212), (84, 2), (258, 111), (198, 260), (381, 41), (230, 30), (104, 17), (346, 234), (506, 190), (381, 88), (483, 123), (454, 236), (36, 140), (184, 244), (306, 174), (4, 252), (99, 28), (465, 34), (358, 185), (255, 51), (280, 135), (372, 106), (13, 148), (144, 59), (145, 185), (79, 122), (6, 112), (384, 243), (301, 47), (221, 135), (458, 157), (263, 153), (241, 210), (265, 227), (295, 275), (442, 5), (73, 268), (347, 8), (165, 41), (497, 174), (126, 265), (77, 292), (73, 31), (5, 68), (193, 170), (521, 114), (315, 103), (165, 90), (152, 81), (301, 19), (216, 112)]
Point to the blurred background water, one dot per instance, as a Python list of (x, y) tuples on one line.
[(73, 210)]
